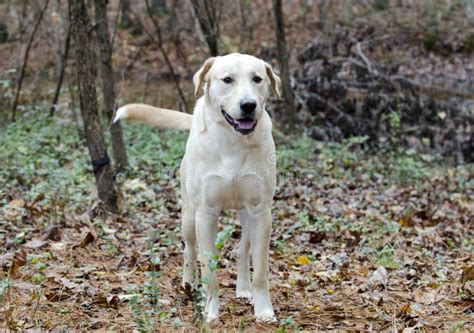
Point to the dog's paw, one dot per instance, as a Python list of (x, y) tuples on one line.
[(211, 319), (211, 313), (266, 316), (246, 294)]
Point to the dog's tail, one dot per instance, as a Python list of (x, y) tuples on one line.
[(161, 118)]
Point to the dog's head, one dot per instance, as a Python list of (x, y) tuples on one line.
[(237, 87)]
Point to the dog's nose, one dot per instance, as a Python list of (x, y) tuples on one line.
[(248, 106)]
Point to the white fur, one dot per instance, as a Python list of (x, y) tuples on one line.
[(224, 169)]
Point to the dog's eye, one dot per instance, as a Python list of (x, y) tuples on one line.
[(257, 79), (227, 80)]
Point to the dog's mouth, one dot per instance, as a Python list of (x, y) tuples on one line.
[(244, 125)]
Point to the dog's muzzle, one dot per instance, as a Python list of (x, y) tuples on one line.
[(244, 125)]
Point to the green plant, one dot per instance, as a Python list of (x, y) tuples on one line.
[(457, 326), (145, 303), (286, 323), (386, 257), (4, 287), (295, 154)]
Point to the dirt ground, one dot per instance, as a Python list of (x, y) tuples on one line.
[(350, 250)]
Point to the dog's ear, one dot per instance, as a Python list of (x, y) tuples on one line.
[(274, 80), (200, 76)]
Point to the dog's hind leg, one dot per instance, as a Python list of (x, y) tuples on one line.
[(243, 289), (188, 229), (206, 230)]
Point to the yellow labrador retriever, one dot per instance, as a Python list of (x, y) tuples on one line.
[(229, 164)]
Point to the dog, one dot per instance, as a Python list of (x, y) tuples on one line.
[(229, 164)]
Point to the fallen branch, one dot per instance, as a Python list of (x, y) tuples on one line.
[(363, 57)]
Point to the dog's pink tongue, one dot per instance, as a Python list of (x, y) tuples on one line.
[(245, 124)]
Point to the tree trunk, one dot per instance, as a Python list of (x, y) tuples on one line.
[(108, 83), (208, 15), (88, 99), (283, 57), (469, 8), (25, 60)]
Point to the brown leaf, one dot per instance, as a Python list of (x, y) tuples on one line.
[(6, 260), (405, 309), (52, 233), (13, 209), (426, 296), (56, 295), (467, 274), (316, 237), (406, 222), (128, 261), (19, 260), (111, 301), (25, 286), (68, 283), (86, 238), (35, 244), (379, 276), (16, 203)]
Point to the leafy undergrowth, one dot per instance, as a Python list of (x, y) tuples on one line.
[(360, 240)]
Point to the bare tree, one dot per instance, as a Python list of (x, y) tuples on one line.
[(283, 58), (161, 47), (88, 99), (25, 59), (108, 83), (208, 15), (62, 70)]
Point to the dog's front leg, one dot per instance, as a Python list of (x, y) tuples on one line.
[(261, 223), (243, 288), (206, 230)]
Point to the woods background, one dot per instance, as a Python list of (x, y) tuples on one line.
[(354, 65), (373, 213)]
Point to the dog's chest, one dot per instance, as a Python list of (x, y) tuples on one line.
[(232, 181)]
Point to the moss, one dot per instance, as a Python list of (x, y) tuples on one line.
[(430, 42), (380, 5), (468, 44)]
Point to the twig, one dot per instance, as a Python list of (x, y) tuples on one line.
[(361, 54), (38, 298), (376, 39), (25, 60)]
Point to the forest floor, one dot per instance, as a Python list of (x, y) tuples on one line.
[(361, 240)]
